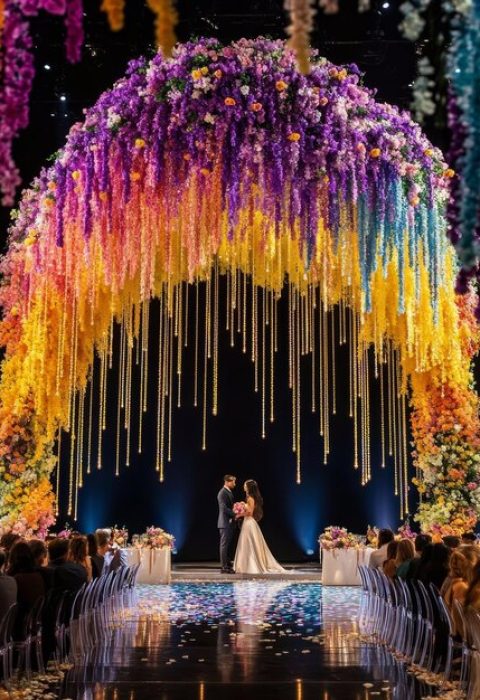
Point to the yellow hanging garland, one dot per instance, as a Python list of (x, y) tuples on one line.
[(115, 11), (166, 19)]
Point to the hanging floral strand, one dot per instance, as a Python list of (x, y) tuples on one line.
[(115, 11), (301, 18), (166, 19), (74, 24)]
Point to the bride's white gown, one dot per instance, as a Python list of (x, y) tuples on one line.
[(252, 555)]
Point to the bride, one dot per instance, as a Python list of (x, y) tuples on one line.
[(252, 555)]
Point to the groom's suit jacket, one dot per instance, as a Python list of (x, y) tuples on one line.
[(225, 508)]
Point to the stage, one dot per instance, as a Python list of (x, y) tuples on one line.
[(209, 572)]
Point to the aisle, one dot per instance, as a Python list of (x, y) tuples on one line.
[(270, 640)]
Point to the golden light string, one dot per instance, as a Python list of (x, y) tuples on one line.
[(59, 466), (205, 370), (195, 374), (159, 384), (128, 407), (170, 383), (142, 388), (298, 390), (350, 364), (367, 386), (405, 451), (394, 420), (263, 360), (80, 432), (164, 386), (105, 385), (179, 343), (294, 374), (215, 342), (334, 381), (321, 387), (382, 412), (146, 345), (72, 458), (186, 316), (255, 336), (355, 391), (227, 305), (326, 393), (389, 399), (244, 315), (118, 426), (272, 358)]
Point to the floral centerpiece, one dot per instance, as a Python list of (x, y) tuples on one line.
[(335, 537), (405, 531), (372, 536), (154, 538), (120, 536)]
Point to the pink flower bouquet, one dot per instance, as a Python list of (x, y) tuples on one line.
[(239, 508)]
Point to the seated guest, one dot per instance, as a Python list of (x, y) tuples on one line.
[(8, 588), (39, 551), (114, 557), (472, 598), (437, 568), (469, 538), (451, 541), (6, 543), (78, 553), (379, 556), (405, 556), (30, 584), (389, 566), (457, 587), (421, 541), (67, 575), (96, 559)]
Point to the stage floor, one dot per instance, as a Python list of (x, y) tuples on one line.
[(209, 572), (237, 639)]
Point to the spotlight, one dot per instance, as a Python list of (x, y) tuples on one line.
[(309, 552), (386, 5), (63, 98), (47, 66)]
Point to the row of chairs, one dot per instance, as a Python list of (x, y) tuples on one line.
[(70, 625), (415, 623)]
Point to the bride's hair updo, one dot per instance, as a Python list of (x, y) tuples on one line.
[(253, 491)]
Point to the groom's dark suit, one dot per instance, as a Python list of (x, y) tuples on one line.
[(225, 524)]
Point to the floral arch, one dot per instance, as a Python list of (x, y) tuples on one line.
[(228, 161)]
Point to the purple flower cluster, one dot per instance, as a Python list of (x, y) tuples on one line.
[(18, 72)]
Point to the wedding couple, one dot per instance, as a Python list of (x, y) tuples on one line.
[(252, 555)]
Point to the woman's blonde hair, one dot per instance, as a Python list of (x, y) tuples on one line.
[(405, 551), (460, 567)]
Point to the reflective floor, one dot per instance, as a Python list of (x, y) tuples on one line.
[(250, 639)]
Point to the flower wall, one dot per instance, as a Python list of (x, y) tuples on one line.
[(228, 160)]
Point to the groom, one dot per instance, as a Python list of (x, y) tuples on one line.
[(226, 521)]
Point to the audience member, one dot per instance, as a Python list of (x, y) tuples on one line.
[(469, 538), (472, 598), (457, 586), (405, 555), (96, 559), (40, 556), (67, 575), (451, 541), (437, 568), (6, 543), (389, 566), (420, 542), (8, 588), (78, 553), (30, 584), (379, 556)]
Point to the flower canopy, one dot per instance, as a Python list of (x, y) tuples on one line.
[(226, 160)]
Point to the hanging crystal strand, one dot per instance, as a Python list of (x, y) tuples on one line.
[(389, 398), (205, 369), (165, 356), (382, 409), (215, 342), (195, 375), (59, 467), (146, 345), (350, 363), (71, 485), (313, 349), (244, 314), (301, 309), (272, 357), (170, 383), (80, 434), (293, 312), (159, 451), (179, 343), (320, 365), (208, 317), (119, 412), (105, 393), (239, 301), (367, 415), (405, 454), (298, 389), (326, 392), (142, 387), (334, 382), (71, 374), (394, 422), (110, 344), (227, 304), (185, 327), (123, 360), (128, 407), (354, 341), (255, 334), (233, 305), (290, 338), (275, 309), (399, 434), (264, 359), (90, 418)]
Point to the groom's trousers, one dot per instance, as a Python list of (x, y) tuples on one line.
[(226, 537)]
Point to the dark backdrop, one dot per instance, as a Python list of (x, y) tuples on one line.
[(185, 503)]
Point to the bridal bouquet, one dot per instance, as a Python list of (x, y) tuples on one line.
[(335, 537), (239, 508), (154, 538)]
